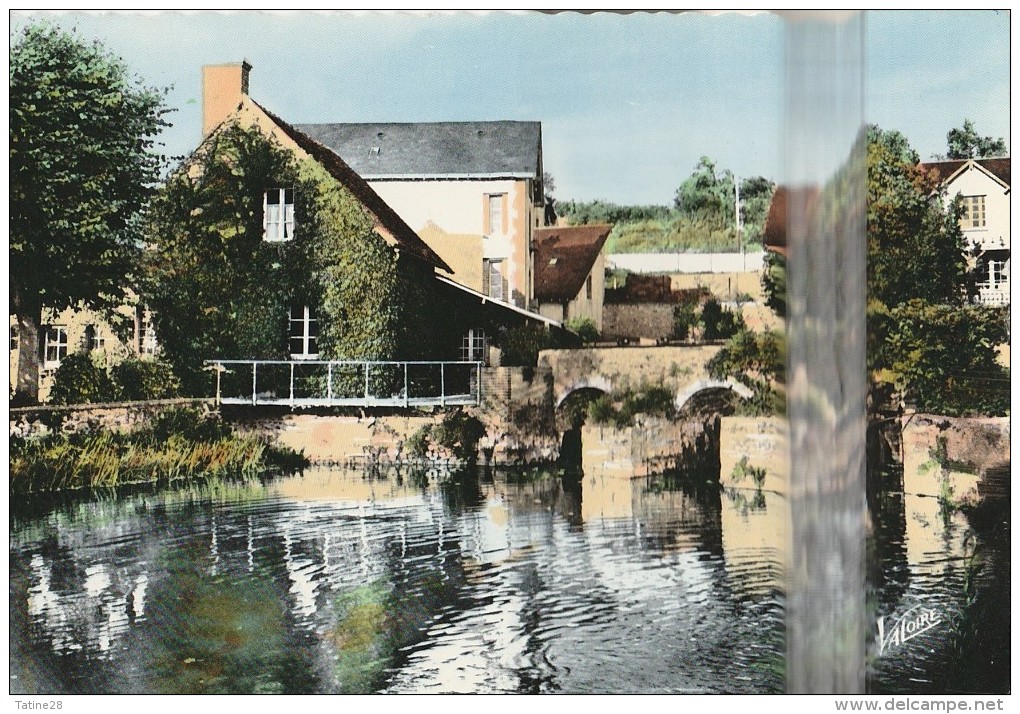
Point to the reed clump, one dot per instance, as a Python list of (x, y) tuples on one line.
[(180, 445)]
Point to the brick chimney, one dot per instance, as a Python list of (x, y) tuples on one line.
[(223, 85)]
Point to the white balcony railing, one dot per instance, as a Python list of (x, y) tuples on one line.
[(322, 383), (993, 296)]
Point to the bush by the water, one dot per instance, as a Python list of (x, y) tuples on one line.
[(180, 445), (459, 433), (80, 380)]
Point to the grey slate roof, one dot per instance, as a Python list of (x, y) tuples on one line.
[(405, 238), (474, 149)]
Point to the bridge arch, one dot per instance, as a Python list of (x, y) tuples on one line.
[(596, 382), (702, 385)]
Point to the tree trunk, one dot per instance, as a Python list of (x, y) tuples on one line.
[(28, 313)]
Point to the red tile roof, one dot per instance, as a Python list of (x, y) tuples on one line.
[(564, 257), (774, 236), (407, 240), (998, 167)]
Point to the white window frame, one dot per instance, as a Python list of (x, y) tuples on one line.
[(996, 273), (148, 345), (473, 346), (304, 333), (56, 337), (278, 228)]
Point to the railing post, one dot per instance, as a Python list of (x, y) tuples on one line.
[(407, 396), (329, 383), (292, 384), (442, 383), (366, 384), (254, 388), (219, 374)]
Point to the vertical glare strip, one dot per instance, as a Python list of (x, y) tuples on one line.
[(827, 622)]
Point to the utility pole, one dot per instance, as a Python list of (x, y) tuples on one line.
[(736, 211)]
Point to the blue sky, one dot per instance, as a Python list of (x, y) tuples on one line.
[(628, 103)]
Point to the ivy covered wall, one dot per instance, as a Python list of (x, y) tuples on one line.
[(220, 291)]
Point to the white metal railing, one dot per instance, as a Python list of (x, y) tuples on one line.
[(993, 296), (360, 383)]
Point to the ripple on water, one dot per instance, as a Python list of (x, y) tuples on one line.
[(372, 584)]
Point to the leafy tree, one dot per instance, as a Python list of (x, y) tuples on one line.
[(922, 335), (599, 211), (773, 282), (706, 193), (965, 143), (944, 357), (719, 323), (685, 318), (82, 167), (915, 246), (758, 361)]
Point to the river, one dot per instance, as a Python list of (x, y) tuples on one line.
[(341, 581)]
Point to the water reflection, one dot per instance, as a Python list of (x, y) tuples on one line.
[(336, 581), (927, 554)]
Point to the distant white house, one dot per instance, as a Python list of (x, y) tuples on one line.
[(983, 185)]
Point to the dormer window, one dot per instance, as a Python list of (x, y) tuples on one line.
[(278, 215), (973, 212)]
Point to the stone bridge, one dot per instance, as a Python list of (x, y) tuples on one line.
[(607, 369)]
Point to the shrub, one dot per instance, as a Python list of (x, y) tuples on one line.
[(602, 410), (652, 401), (460, 433), (140, 380), (79, 380), (743, 469), (584, 327), (186, 422), (720, 323), (522, 344), (685, 317)]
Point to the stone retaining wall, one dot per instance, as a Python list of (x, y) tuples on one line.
[(955, 450), (653, 445), (117, 417)]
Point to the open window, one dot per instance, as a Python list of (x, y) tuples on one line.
[(278, 215), (494, 279)]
